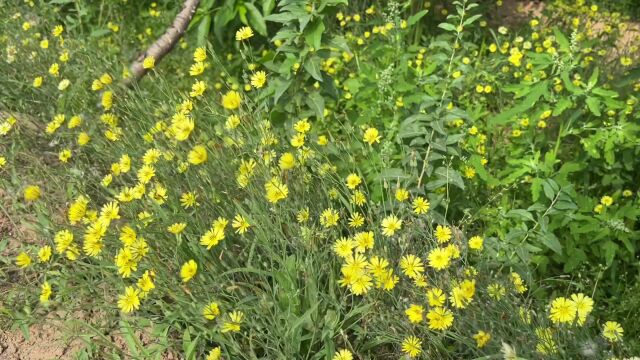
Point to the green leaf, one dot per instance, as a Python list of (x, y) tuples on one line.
[(445, 176), (281, 17), (550, 188), (476, 162), (551, 241), (447, 27), (472, 19), (593, 79), (569, 84), (416, 17), (312, 66), (313, 34), (280, 86), (256, 19), (203, 30), (610, 248), (536, 187), (562, 40), (561, 106), (315, 101), (532, 98), (605, 93), (520, 213), (594, 105), (268, 6)]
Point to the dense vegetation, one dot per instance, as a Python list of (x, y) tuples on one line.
[(324, 179)]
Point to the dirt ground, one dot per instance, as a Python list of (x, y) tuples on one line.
[(43, 344)]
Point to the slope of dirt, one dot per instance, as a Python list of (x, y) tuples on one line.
[(44, 343)]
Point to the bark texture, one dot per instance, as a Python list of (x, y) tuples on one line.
[(165, 43)]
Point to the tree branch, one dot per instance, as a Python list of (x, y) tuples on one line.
[(165, 43)]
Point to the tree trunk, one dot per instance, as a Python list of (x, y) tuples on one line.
[(165, 43)]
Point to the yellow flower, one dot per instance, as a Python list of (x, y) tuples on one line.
[(23, 260), (302, 126), (420, 205), (129, 301), (64, 155), (198, 88), (200, 54), (145, 283), (390, 225), (342, 354), (411, 266), (211, 311), (371, 136), (414, 313), (439, 259), (188, 270), (240, 224), (412, 346), (37, 82), (353, 180), (176, 228), (188, 199), (562, 310), (606, 200), (57, 30), (276, 190), (149, 62), (439, 318), (329, 218), (231, 100), (196, 69), (233, 325), (436, 297), (45, 292), (54, 69), (476, 243), (244, 33), (583, 305), (197, 155), (482, 338), (443, 234), (258, 79), (106, 79), (402, 194), (214, 354), (287, 161), (32, 193), (343, 247), (612, 331), (44, 254)]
